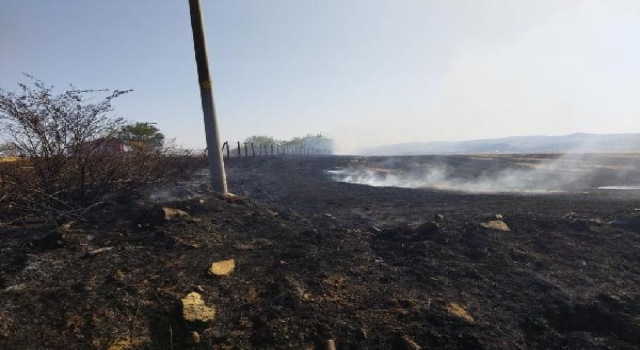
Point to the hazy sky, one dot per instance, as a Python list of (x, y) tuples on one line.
[(365, 72)]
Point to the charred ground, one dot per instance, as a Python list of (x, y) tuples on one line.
[(319, 260)]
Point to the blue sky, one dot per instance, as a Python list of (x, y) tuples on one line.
[(365, 72)]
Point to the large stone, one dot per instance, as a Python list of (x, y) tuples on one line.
[(158, 215), (172, 214), (497, 225), (223, 268), (195, 310)]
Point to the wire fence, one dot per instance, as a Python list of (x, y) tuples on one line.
[(250, 149)]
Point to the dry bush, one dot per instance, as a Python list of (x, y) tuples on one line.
[(71, 156)]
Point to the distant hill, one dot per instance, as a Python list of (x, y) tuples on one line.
[(516, 144)]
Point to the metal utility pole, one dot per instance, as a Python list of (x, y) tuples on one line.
[(216, 163)]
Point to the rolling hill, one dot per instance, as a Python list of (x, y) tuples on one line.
[(579, 142)]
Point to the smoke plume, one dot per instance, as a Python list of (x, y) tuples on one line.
[(495, 174)]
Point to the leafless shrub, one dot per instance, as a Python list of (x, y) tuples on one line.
[(67, 141), (70, 153), (180, 163)]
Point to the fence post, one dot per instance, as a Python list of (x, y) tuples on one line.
[(246, 149), (224, 145), (239, 150), (253, 149)]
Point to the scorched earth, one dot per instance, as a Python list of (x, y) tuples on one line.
[(316, 259)]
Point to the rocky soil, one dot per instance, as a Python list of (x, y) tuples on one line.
[(298, 261)]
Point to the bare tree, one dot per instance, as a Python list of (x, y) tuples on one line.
[(67, 140)]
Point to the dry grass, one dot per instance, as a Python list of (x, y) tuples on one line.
[(8, 159)]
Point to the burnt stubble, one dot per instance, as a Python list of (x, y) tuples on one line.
[(318, 260)]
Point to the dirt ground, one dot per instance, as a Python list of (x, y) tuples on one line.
[(319, 260)]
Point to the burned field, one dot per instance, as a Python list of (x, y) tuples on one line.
[(532, 259)]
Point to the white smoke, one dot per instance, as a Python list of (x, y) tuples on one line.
[(194, 188), (485, 174)]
